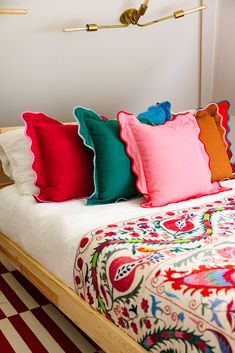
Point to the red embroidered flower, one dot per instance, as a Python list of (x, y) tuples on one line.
[(80, 262), (77, 279), (145, 305), (99, 231), (135, 234), (202, 346), (110, 234), (143, 219), (170, 213), (147, 323), (90, 298), (206, 292), (144, 226), (121, 322), (165, 335), (134, 327), (157, 273), (154, 234), (230, 313), (229, 276), (116, 310), (84, 242), (177, 285), (183, 335), (178, 224), (128, 228), (112, 225), (125, 312)]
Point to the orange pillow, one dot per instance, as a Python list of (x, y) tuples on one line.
[(212, 135)]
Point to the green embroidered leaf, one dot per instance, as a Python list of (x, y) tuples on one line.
[(192, 257), (204, 306), (161, 336), (133, 250), (125, 299)]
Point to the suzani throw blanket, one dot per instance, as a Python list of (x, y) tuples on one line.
[(168, 280)]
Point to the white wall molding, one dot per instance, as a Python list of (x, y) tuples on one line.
[(208, 35), (223, 62)]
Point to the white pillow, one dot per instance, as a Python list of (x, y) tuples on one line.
[(192, 111), (5, 163), (16, 159)]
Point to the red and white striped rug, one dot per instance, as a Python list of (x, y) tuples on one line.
[(30, 323)]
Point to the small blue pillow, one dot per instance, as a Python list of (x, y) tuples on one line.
[(156, 114)]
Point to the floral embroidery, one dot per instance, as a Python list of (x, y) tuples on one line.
[(167, 280)]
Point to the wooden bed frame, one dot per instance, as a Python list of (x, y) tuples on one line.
[(108, 336)]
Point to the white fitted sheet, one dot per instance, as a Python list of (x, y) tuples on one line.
[(50, 232)]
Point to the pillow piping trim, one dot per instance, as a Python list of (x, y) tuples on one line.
[(133, 164), (90, 147)]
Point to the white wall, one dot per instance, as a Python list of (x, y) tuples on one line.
[(44, 69), (224, 58), (208, 51)]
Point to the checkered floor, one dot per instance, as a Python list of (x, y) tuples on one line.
[(29, 323)]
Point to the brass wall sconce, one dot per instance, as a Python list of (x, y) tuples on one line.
[(13, 12), (132, 16)]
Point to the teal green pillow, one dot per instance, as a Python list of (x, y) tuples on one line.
[(113, 178)]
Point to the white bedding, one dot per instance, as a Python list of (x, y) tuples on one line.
[(50, 232)]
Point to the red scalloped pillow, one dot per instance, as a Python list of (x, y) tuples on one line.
[(62, 164), (223, 110)]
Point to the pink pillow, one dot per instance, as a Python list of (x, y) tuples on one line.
[(169, 160), (62, 164)]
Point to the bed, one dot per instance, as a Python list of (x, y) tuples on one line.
[(56, 269)]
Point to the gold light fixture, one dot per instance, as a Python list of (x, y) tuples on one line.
[(132, 16), (13, 12)]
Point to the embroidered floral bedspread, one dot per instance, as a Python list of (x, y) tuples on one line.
[(168, 280)]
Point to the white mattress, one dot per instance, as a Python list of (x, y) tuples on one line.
[(50, 232)]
